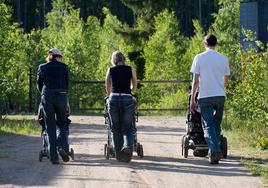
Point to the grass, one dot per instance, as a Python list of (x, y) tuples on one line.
[(254, 159), (257, 169), (19, 124)]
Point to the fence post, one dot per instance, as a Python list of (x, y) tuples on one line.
[(30, 90)]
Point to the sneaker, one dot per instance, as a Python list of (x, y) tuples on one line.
[(64, 155), (214, 158), (127, 152)]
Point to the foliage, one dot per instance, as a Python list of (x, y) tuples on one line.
[(178, 99), (262, 142), (14, 78), (196, 45), (247, 95), (250, 101), (110, 42), (256, 168), (248, 132), (227, 29), (163, 51), (145, 10), (79, 42)]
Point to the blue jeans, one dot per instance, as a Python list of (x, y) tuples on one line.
[(55, 105), (211, 113), (121, 113)]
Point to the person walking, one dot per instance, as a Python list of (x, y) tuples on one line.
[(121, 79), (53, 84), (210, 75)]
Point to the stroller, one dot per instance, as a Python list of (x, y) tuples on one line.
[(109, 147), (44, 152), (194, 138)]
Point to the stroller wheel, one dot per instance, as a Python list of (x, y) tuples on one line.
[(40, 156), (111, 152), (182, 141), (106, 151), (140, 150), (72, 153), (224, 147), (185, 146)]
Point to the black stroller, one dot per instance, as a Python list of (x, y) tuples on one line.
[(194, 138), (44, 152), (109, 147)]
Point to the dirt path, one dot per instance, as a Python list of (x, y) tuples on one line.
[(163, 166)]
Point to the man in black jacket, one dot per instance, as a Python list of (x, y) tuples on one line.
[(53, 84)]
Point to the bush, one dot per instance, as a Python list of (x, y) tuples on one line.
[(262, 142), (250, 101)]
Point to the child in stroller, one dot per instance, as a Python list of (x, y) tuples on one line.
[(109, 148), (44, 152), (194, 138)]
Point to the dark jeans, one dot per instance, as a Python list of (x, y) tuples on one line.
[(121, 112), (211, 113), (55, 105)]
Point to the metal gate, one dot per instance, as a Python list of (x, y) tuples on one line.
[(88, 96)]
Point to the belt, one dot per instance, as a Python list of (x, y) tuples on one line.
[(120, 94)]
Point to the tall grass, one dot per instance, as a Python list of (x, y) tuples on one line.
[(251, 133), (249, 141), (257, 169), (19, 125)]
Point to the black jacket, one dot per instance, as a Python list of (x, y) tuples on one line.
[(54, 76)]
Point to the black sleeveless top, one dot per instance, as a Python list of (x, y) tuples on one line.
[(121, 76)]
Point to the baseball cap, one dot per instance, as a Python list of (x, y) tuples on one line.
[(55, 51)]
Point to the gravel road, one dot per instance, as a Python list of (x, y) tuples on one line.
[(162, 165)]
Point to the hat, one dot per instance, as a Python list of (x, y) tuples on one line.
[(55, 51)]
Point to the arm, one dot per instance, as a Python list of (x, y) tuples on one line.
[(226, 79), (226, 73), (133, 79), (39, 83), (195, 85), (108, 82), (67, 77)]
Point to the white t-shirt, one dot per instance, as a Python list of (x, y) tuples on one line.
[(212, 67)]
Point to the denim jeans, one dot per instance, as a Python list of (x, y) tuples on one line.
[(121, 113), (55, 105), (211, 114)]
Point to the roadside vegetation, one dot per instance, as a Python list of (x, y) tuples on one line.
[(19, 124)]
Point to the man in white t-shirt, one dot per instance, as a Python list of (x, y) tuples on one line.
[(211, 72)]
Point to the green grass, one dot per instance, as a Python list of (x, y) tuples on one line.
[(19, 125), (241, 143), (257, 169)]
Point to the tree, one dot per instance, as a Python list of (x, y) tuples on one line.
[(80, 44), (227, 29), (164, 49), (110, 41), (13, 81), (196, 46), (163, 54)]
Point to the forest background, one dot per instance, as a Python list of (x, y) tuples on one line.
[(159, 38)]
